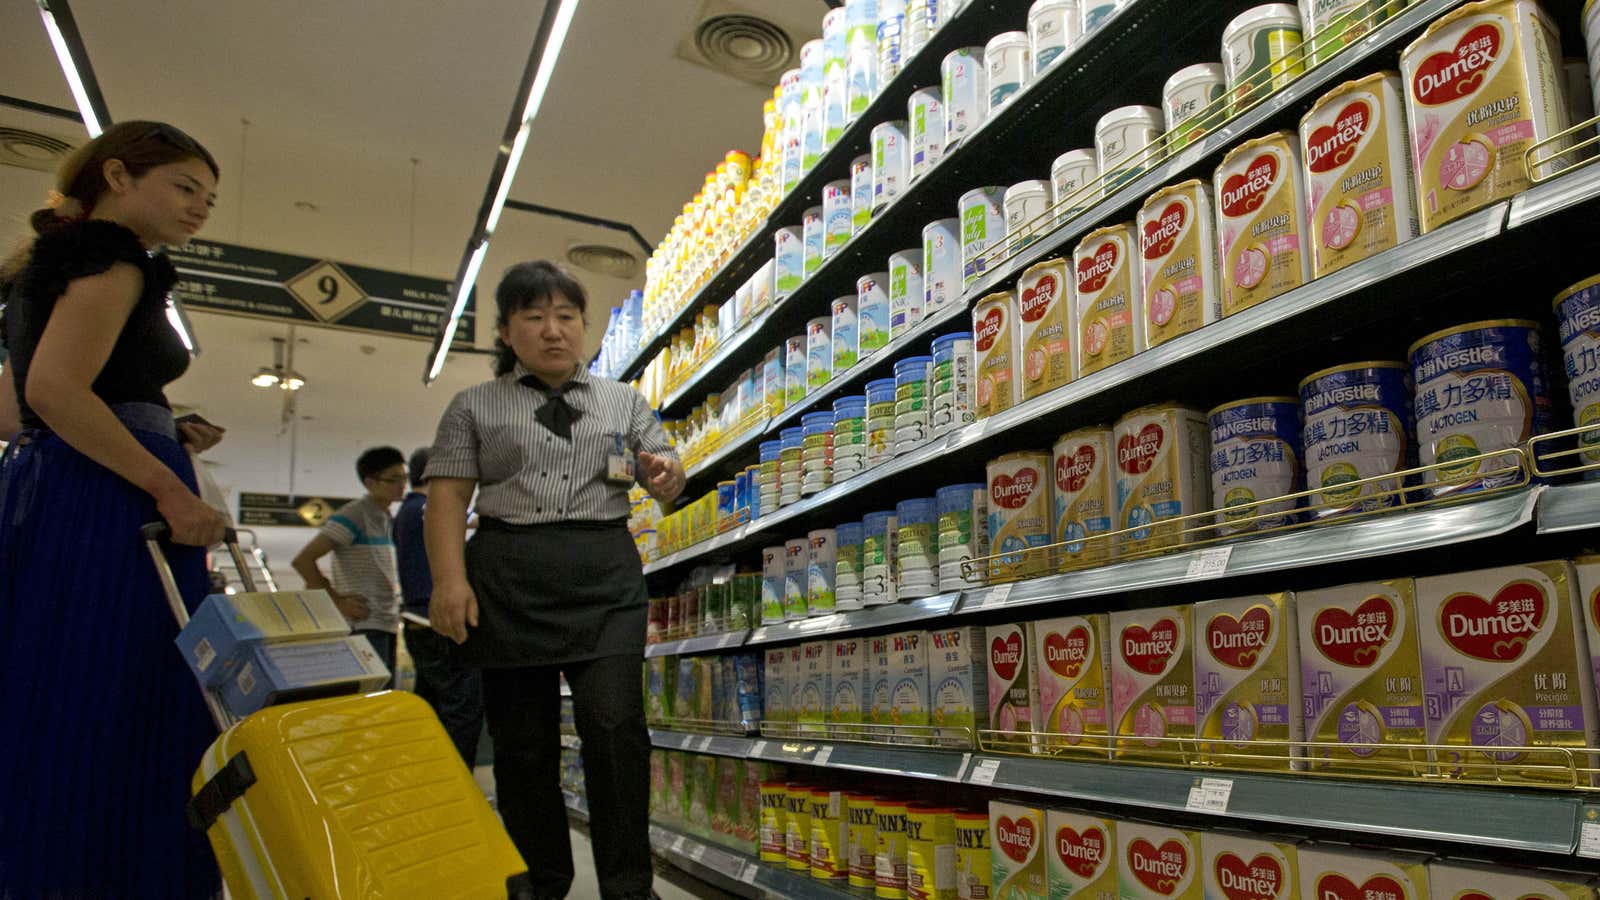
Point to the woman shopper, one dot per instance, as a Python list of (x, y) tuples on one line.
[(551, 582), (101, 724)]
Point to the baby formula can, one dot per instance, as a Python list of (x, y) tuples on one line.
[(1108, 305), (1255, 455), (772, 585), (1126, 143), (1019, 514), (1190, 101), (1480, 387), (1074, 180), (1095, 13), (916, 549), (1578, 314), (941, 263), (891, 40), (965, 93), (795, 553), (814, 239), (1358, 425), (911, 412), (906, 292), (861, 56), (835, 78), (821, 561), (1161, 474), (880, 420), (847, 569), (819, 352), (846, 333), (926, 113), (1178, 244), (879, 532), (860, 193), (1044, 301), (1261, 53), (1025, 205), (891, 162), (789, 261), (1261, 211), (791, 461), (1332, 25), (816, 457), (954, 403), (983, 224), (1052, 31), (1006, 58), (794, 375), (836, 217), (1084, 497), (996, 339), (963, 529)]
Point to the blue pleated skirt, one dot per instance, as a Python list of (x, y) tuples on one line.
[(101, 723)]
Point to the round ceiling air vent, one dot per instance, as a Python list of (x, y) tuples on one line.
[(743, 45), (603, 260), (31, 149)]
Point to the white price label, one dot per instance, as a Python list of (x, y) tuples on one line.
[(758, 749), (966, 760), (705, 744), (984, 772), (1210, 795), (997, 596), (698, 852), (1210, 563), (823, 755), (729, 639), (748, 874), (678, 845), (1589, 840)]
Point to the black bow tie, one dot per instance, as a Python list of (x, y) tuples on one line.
[(556, 414)]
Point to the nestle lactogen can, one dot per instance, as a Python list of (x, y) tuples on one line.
[(1361, 197), (1357, 425), (1071, 178), (1084, 495), (1578, 315), (1178, 246), (1190, 102), (1108, 305), (965, 93), (1261, 214), (1044, 305), (1482, 87), (996, 340), (1480, 387), (1019, 514), (1255, 455), (1161, 474)]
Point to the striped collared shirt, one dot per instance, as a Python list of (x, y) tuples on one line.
[(525, 473)]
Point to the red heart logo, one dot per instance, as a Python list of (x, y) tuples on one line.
[(1073, 469), (1015, 837), (1066, 654), (1331, 146), (1259, 879), (1594, 604), (1137, 453), (1238, 643), (1094, 271), (1147, 652), (1334, 886), (1081, 853), (1354, 640), (1495, 630), (1005, 654), (1161, 233), (1159, 870), (1036, 300), (1244, 192), (1447, 77), (989, 329), (1014, 491)]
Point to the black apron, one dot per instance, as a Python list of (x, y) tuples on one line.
[(554, 593)]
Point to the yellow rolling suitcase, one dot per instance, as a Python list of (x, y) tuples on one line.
[(358, 796)]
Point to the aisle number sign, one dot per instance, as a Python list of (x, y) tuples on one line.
[(287, 509), (247, 281)]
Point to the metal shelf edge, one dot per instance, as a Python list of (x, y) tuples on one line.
[(848, 621), (1569, 507), (1556, 195)]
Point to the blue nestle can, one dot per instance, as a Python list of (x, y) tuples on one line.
[(1357, 425), (1255, 456)]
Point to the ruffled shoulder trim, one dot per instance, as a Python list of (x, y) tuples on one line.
[(90, 247)]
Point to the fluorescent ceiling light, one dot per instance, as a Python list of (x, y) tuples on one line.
[(469, 277), (547, 63), (80, 95), (180, 324), (504, 190)]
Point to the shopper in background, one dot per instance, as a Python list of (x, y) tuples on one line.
[(454, 691), (101, 723), (360, 535), (551, 582)]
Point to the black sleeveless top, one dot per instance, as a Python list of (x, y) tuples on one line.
[(148, 354)]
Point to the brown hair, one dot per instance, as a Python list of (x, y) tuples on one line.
[(140, 145)]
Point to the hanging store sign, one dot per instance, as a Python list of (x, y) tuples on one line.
[(287, 509), (246, 281)]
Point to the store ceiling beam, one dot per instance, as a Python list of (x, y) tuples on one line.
[(584, 218), (60, 112)]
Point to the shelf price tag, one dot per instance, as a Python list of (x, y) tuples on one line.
[(984, 772), (997, 596), (759, 748), (748, 873), (1210, 795), (1589, 840), (966, 760), (1210, 563), (823, 755), (698, 853), (705, 744)]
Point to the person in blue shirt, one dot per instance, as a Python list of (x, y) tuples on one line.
[(454, 691)]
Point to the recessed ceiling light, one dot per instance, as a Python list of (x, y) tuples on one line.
[(306, 206)]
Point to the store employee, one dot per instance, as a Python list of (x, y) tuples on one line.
[(551, 583)]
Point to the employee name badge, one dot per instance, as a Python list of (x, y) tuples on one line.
[(619, 461)]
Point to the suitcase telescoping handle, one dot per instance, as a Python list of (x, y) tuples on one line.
[(153, 534)]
